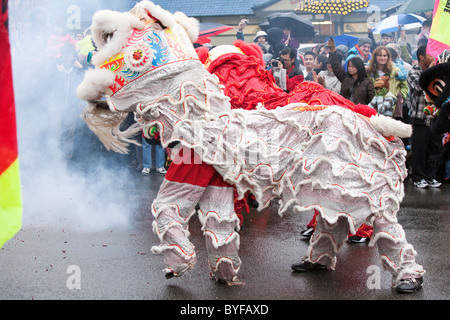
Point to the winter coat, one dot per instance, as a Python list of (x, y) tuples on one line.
[(331, 81), (360, 93), (397, 92), (395, 84), (274, 36)]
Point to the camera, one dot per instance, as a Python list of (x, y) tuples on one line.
[(275, 62)]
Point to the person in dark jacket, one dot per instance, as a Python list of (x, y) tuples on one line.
[(426, 144), (274, 36), (355, 85)]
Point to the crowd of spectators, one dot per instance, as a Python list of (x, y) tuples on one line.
[(382, 74)]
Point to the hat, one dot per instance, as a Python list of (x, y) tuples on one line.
[(259, 34), (388, 34), (396, 47), (342, 48), (363, 41)]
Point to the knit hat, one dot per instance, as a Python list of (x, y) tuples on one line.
[(363, 41), (387, 34), (396, 47), (259, 34), (342, 48)]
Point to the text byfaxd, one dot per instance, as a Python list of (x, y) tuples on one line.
[(228, 309)]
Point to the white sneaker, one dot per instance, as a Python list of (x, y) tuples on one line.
[(145, 171), (421, 184), (161, 171), (433, 183)]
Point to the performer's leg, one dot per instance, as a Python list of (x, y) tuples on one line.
[(397, 255), (239, 205), (310, 226), (327, 240), (324, 244), (220, 226), (183, 186), (363, 234), (312, 223)]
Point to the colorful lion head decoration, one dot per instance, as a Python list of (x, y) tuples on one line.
[(131, 45), (436, 83), (137, 51)]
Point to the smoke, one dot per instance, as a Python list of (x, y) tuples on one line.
[(67, 176)]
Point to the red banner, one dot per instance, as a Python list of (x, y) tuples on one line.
[(8, 138)]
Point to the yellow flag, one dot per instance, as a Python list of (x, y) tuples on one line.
[(440, 33)]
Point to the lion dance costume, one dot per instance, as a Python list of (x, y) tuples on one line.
[(309, 154)]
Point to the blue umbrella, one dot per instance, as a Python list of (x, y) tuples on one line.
[(390, 24), (344, 39)]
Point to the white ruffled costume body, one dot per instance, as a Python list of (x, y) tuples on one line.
[(309, 157)]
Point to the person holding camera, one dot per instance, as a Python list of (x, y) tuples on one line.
[(286, 60), (240, 30)]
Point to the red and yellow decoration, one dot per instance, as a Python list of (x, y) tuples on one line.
[(310, 108), (10, 196)]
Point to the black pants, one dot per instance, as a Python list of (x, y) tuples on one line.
[(426, 153)]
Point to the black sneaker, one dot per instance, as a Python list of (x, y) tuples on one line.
[(357, 239), (253, 204), (305, 265), (409, 285), (308, 232)]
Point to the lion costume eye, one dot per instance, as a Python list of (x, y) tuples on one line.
[(436, 87), (106, 37)]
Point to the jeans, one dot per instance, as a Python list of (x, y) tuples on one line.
[(160, 154)]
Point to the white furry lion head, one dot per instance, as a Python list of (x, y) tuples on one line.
[(133, 43), (130, 46)]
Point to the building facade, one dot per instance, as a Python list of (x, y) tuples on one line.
[(76, 15)]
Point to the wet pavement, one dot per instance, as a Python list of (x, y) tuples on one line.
[(63, 261)]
